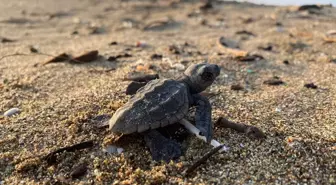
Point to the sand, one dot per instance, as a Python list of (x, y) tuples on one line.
[(59, 101)]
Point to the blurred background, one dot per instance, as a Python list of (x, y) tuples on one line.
[(291, 2)]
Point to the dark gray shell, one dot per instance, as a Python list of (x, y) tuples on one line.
[(160, 103)]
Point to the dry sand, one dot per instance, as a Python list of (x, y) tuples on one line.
[(58, 101)]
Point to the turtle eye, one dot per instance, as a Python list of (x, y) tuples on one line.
[(207, 76)]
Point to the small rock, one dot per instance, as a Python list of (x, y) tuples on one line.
[(113, 43), (120, 150), (179, 67), (156, 56), (225, 148), (33, 49), (237, 87), (274, 81), (111, 149), (204, 22), (11, 112), (78, 171), (228, 43), (75, 32), (112, 59), (310, 86), (286, 62), (129, 23), (184, 62), (266, 48), (174, 49), (278, 24)]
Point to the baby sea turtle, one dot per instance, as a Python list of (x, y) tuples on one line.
[(163, 102)]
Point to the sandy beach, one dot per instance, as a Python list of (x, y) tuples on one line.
[(278, 73)]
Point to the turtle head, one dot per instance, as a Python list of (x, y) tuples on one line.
[(201, 76)]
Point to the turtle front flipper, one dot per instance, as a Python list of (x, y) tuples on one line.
[(203, 116), (160, 147)]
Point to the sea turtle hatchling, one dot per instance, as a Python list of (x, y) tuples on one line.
[(162, 102)]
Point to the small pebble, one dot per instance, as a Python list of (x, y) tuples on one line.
[(111, 149), (11, 112), (237, 87), (278, 24), (179, 67), (274, 81), (79, 171), (310, 86), (228, 42), (141, 44), (113, 43), (120, 150), (174, 49), (33, 49), (225, 149), (75, 32), (156, 56), (266, 48)]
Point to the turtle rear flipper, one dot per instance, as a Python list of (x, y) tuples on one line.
[(162, 148)]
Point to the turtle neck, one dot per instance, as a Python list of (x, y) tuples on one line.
[(193, 89)]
